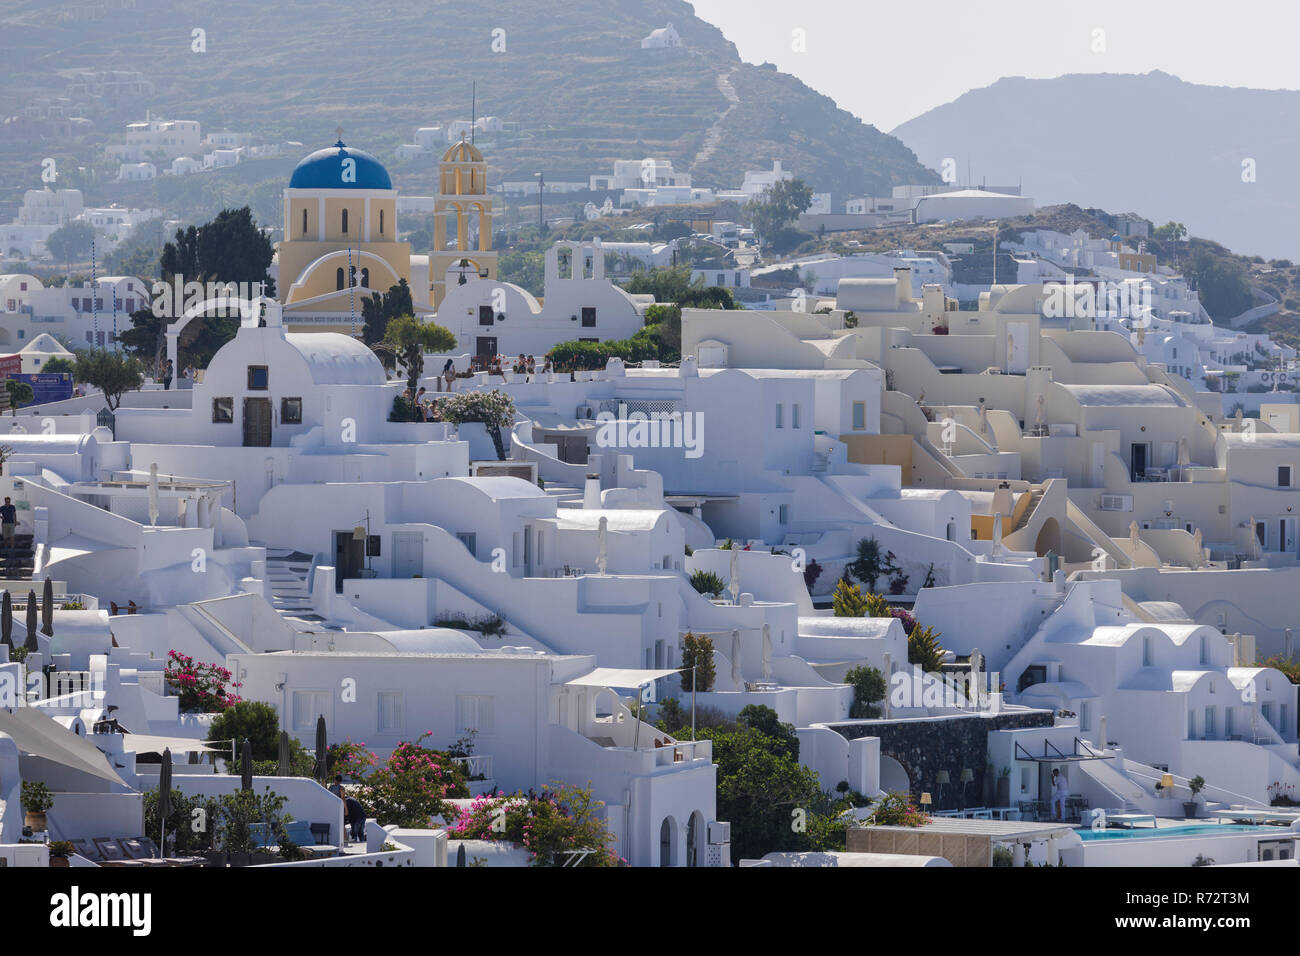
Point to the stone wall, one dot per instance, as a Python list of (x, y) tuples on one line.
[(926, 745)]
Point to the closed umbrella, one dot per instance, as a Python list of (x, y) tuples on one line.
[(322, 749), (164, 798), (153, 494), (31, 643), (735, 658), (284, 754), (734, 584), (460, 855), (7, 621), (246, 768), (47, 608)]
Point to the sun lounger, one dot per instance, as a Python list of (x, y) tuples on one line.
[(112, 854), (1129, 820), (144, 849), (300, 832)]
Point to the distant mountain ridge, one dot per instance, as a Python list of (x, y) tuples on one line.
[(1150, 143), (571, 73)]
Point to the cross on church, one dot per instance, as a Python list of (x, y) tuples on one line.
[(338, 131)]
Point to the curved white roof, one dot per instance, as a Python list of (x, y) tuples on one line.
[(847, 626), (498, 487), (620, 519), (431, 640), (337, 359), (46, 344), (1123, 395)]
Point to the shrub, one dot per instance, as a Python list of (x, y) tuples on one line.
[(870, 564), (811, 572), (238, 811), (410, 788), (897, 810), (191, 825), (494, 408), (847, 600), (868, 687), (923, 648), (351, 760), (36, 797), (706, 582)]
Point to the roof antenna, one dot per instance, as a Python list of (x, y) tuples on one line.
[(473, 110)]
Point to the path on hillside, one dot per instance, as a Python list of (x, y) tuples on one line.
[(714, 136)]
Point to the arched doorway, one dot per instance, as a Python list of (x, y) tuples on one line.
[(893, 778), (668, 842), (694, 837), (1049, 538)]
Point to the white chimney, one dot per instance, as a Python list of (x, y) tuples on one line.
[(591, 493), (903, 278)]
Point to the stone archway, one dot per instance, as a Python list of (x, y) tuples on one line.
[(894, 778)]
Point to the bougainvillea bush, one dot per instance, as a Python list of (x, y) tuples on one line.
[(410, 788), (203, 688), (561, 828)]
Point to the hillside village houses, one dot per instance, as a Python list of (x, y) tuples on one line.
[(1105, 553)]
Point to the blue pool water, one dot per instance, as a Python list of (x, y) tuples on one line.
[(1203, 829)]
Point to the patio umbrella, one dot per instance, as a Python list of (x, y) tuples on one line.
[(322, 749), (733, 585), (735, 658), (602, 544), (164, 797), (153, 494), (767, 652), (246, 765), (47, 608), (460, 855), (31, 643), (284, 754), (7, 621)]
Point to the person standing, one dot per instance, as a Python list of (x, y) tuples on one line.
[(8, 521), (1060, 791), (355, 815), (168, 371)]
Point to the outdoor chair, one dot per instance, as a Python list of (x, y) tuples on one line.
[(300, 832), (143, 848)]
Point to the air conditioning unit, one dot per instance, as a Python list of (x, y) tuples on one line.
[(719, 832), (1116, 502), (584, 411)]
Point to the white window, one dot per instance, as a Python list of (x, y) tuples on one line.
[(392, 711), (794, 416), (474, 712), (780, 415), (307, 706), (859, 416)]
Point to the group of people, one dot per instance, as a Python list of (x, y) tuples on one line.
[(354, 814), (168, 373), (423, 409)]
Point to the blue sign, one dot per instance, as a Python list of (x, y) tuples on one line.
[(46, 386)]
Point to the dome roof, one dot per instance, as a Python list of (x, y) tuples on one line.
[(324, 169)]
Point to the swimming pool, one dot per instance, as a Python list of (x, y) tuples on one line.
[(1199, 829)]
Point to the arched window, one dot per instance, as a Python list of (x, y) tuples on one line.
[(345, 222), (338, 278), (365, 278), (304, 222), (381, 222)]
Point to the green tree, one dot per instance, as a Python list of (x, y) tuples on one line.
[(20, 393), (113, 373), (868, 687), (780, 206), (526, 269), (410, 338), (71, 242), (257, 721), (871, 564), (1170, 232), (673, 284), (698, 670), (765, 720), (847, 600), (59, 364), (377, 310)]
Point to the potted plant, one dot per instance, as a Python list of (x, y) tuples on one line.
[(36, 800), (60, 850), (1196, 785)]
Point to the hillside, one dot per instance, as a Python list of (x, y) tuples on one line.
[(1150, 144), (572, 77)]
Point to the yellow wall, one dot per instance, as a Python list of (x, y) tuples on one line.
[(295, 257), (881, 450)]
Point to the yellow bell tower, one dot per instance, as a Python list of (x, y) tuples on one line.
[(462, 194)]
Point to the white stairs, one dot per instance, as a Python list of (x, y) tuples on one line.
[(290, 593)]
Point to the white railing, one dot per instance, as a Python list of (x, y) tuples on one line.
[(476, 764)]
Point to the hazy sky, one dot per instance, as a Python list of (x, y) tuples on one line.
[(890, 60)]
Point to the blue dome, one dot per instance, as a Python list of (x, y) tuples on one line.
[(328, 169)]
